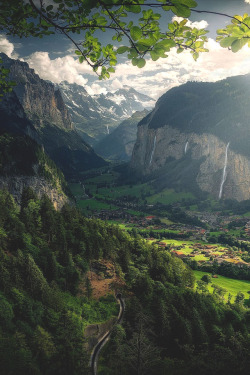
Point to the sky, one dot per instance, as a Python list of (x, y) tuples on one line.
[(53, 58)]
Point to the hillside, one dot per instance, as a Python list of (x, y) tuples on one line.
[(197, 138), (46, 300), (46, 111)]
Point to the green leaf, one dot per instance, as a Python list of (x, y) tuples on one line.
[(135, 61), (141, 63), (227, 42), (195, 56), (154, 55), (122, 49), (238, 44), (77, 52), (81, 59), (171, 27), (222, 32), (181, 10), (111, 70), (133, 8), (113, 62), (135, 33), (189, 3), (166, 43)]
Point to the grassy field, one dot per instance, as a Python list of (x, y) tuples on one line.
[(168, 196), (233, 286), (92, 204)]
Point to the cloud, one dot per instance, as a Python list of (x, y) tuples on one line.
[(96, 89), (7, 47), (198, 24), (60, 69), (159, 76), (247, 1)]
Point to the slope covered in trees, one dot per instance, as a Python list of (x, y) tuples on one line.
[(45, 255)]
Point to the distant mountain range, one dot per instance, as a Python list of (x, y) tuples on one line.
[(96, 116)]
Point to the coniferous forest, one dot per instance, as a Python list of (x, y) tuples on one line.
[(168, 327)]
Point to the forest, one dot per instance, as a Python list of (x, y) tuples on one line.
[(168, 328)]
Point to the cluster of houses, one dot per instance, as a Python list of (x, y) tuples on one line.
[(212, 253)]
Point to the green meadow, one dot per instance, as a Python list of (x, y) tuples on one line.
[(231, 285)]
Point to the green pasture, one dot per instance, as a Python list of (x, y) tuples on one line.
[(92, 204), (233, 286), (168, 196)]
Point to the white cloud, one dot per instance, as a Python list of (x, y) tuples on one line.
[(7, 47), (198, 24), (96, 89), (60, 69), (247, 1), (159, 76)]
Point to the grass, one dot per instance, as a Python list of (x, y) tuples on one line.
[(92, 204), (168, 196), (231, 285)]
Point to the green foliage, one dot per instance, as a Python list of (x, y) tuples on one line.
[(43, 316), (235, 35), (133, 22)]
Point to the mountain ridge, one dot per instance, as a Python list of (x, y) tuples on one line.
[(187, 134)]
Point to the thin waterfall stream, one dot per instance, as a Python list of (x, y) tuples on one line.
[(224, 175), (153, 150)]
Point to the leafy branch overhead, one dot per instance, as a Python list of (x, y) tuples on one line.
[(135, 25)]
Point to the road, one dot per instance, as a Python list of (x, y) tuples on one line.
[(96, 351)]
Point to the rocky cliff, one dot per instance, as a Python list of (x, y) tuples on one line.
[(38, 102), (16, 184), (198, 138)]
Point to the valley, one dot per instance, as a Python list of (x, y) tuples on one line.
[(102, 196)]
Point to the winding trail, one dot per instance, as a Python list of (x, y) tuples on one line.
[(96, 351)]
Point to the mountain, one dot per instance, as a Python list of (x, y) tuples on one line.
[(119, 144), (94, 117), (23, 162), (198, 138), (46, 111)]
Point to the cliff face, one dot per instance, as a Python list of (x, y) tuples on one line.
[(178, 147), (35, 105), (41, 102), (16, 184)]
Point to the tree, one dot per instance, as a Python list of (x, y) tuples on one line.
[(132, 22), (206, 278), (239, 299)]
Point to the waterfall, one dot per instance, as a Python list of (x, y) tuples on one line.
[(153, 150), (224, 175), (107, 129), (186, 146)]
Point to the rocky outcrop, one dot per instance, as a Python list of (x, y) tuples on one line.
[(206, 148), (16, 184), (41, 102), (37, 106)]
